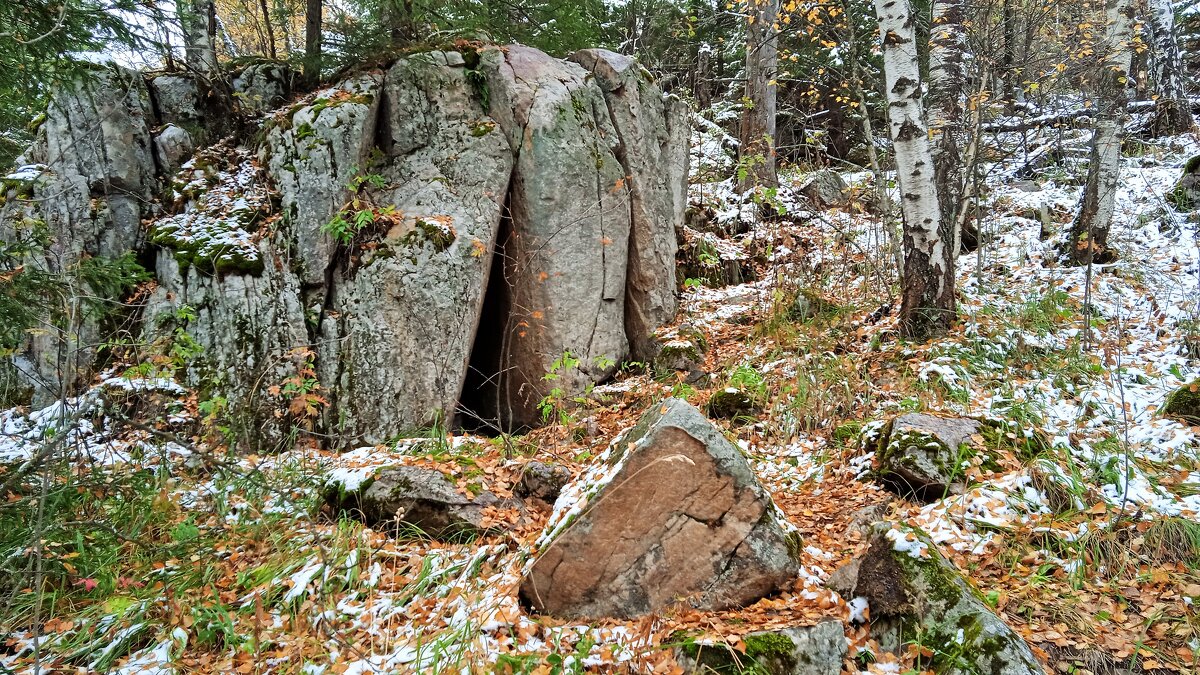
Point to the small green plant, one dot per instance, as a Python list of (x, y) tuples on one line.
[(551, 404)]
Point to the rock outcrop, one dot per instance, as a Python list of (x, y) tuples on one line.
[(916, 594), (682, 520), (439, 237)]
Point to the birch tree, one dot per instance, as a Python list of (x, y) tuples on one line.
[(756, 135), (1172, 114), (947, 83), (927, 294), (1087, 240), (198, 22)]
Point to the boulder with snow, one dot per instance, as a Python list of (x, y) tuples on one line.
[(924, 456), (417, 500), (733, 403), (826, 189), (681, 354), (681, 521), (913, 593), (798, 650)]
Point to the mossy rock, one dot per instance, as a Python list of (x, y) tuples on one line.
[(1183, 404), (679, 354), (924, 457), (803, 650), (732, 403), (916, 595)]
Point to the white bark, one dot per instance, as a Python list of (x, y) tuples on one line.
[(947, 85), (927, 305), (198, 23), (1166, 62), (1088, 239)]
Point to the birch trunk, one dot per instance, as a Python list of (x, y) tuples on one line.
[(1172, 114), (1087, 240), (198, 23), (927, 296), (947, 84), (756, 136)]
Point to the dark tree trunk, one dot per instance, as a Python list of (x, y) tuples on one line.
[(266, 12), (312, 42)]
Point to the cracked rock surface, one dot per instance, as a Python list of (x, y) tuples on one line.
[(683, 521)]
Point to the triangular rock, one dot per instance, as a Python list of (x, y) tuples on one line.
[(682, 520)]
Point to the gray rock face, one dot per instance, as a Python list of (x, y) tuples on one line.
[(96, 186), (653, 147), (922, 456), (566, 256), (262, 86), (801, 650), (909, 587), (312, 152), (521, 218), (825, 189), (187, 102), (417, 497), (408, 313), (230, 290), (682, 521)]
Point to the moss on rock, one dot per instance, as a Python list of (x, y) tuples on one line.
[(1183, 404)]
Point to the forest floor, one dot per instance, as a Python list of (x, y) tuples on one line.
[(191, 560)]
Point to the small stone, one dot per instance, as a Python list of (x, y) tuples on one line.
[(921, 456), (799, 650), (543, 481), (826, 189)]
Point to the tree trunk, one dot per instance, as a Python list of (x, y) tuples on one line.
[(266, 12), (312, 42), (927, 297), (1087, 240), (1010, 81), (198, 22), (756, 137), (947, 85), (1172, 113)]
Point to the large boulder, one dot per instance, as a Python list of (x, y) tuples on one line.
[(312, 152), (262, 86), (566, 255), (924, 456), (653, 149), (916, 595), (799, 650), (682, 519), (407, 312)]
